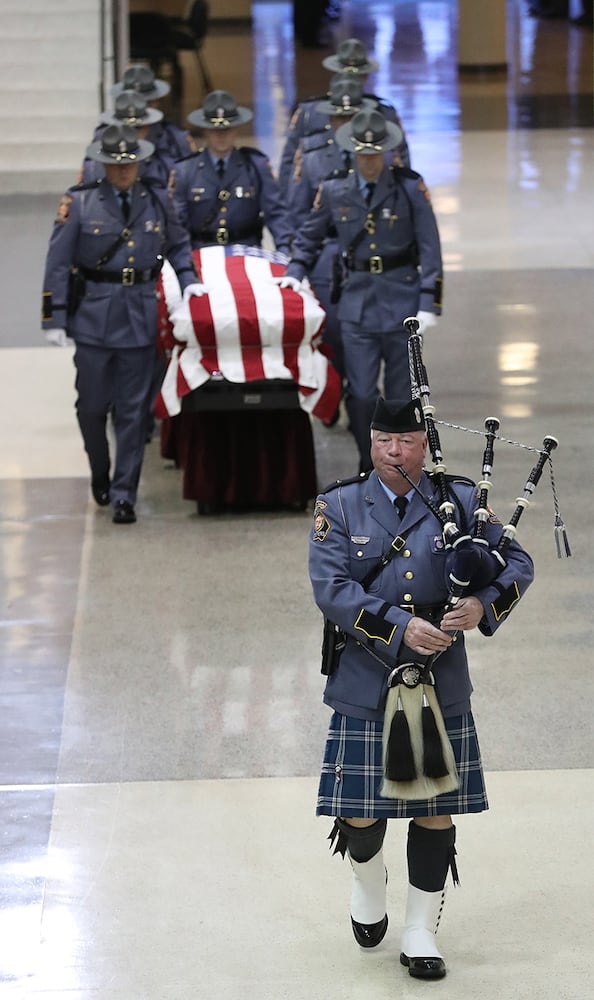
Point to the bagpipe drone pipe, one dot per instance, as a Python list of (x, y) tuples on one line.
[(418, 757)]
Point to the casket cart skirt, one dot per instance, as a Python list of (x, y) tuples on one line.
[(352, 773)]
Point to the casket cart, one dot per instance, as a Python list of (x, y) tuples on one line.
[(244, 375)]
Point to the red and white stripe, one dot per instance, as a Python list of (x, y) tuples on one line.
[(246, 328)]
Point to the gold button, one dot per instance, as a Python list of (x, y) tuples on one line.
[(408, 575), (95, 231), (406, 553), (130, 243), (130, 260), (373, 246), (359, 553), (408, 598), (223, 210)]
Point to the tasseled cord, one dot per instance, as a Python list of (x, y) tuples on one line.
[(561, 539), (336, 834), (453, 865), (400, 761), (434, 765)]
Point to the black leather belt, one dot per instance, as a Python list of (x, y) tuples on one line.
[(377, 264), (224, 236), (127, 276), (432, 613)]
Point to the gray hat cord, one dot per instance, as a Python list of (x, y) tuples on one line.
[(220, 110)]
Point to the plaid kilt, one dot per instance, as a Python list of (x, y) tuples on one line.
[(352, 773)]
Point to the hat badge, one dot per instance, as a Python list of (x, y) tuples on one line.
[(417, 415), (346, 101), (123, 146), (368, 135)]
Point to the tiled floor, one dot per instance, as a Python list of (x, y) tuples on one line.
[(162, 723)]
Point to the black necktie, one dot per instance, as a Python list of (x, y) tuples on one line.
[(400, 505), (220, 168), (125, 200), (370, 189), (346, 159)]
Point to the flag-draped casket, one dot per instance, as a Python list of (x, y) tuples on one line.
[(244, 371)]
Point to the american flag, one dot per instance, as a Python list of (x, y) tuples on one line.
[(245, 329)]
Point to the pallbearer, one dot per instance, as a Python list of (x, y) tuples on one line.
[(380, 570)]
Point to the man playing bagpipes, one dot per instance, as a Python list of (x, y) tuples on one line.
[(392, 574)]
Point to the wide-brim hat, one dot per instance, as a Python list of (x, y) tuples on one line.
[(368, 132), (345, 98), (130, 108), (220, 110), (350, 57), (119, 144), (142, 79), (398, 416)]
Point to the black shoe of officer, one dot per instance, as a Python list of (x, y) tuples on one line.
[(100, 491), (123, 512), (370, 935)]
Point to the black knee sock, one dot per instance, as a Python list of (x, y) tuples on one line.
[(362, 842), (430, 854)]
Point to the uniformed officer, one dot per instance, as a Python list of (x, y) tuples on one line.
[(319, 158), (130, 108), (105, 254), (170, 141), (390, 251), (351, 57), (226, 193), (398, 619)]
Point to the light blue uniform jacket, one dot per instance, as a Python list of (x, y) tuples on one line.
[(354, 524), (88, 224), (247, 198), (403, 224)]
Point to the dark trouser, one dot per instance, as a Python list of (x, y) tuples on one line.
[(364, 351), (117, 380)]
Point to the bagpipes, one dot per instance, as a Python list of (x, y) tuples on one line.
[(418, 757)]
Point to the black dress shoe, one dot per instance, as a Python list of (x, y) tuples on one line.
[(424, 968), (370, 935), (123, 512), (100, 491)]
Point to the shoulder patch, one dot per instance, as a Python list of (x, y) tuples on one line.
[(63, 211), (321, 524)]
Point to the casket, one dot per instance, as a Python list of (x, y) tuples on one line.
[(244, 373)]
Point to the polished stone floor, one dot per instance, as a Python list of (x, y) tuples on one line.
[(160, 694)]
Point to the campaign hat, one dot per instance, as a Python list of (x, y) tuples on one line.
[(142, 78), (130, 108), (368, 132), (345, 97), (120, 144), (351, 57), (220, 110)]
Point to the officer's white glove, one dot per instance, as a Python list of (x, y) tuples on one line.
[(288, 282), (58, 338), (426, 320), (195, 289)]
